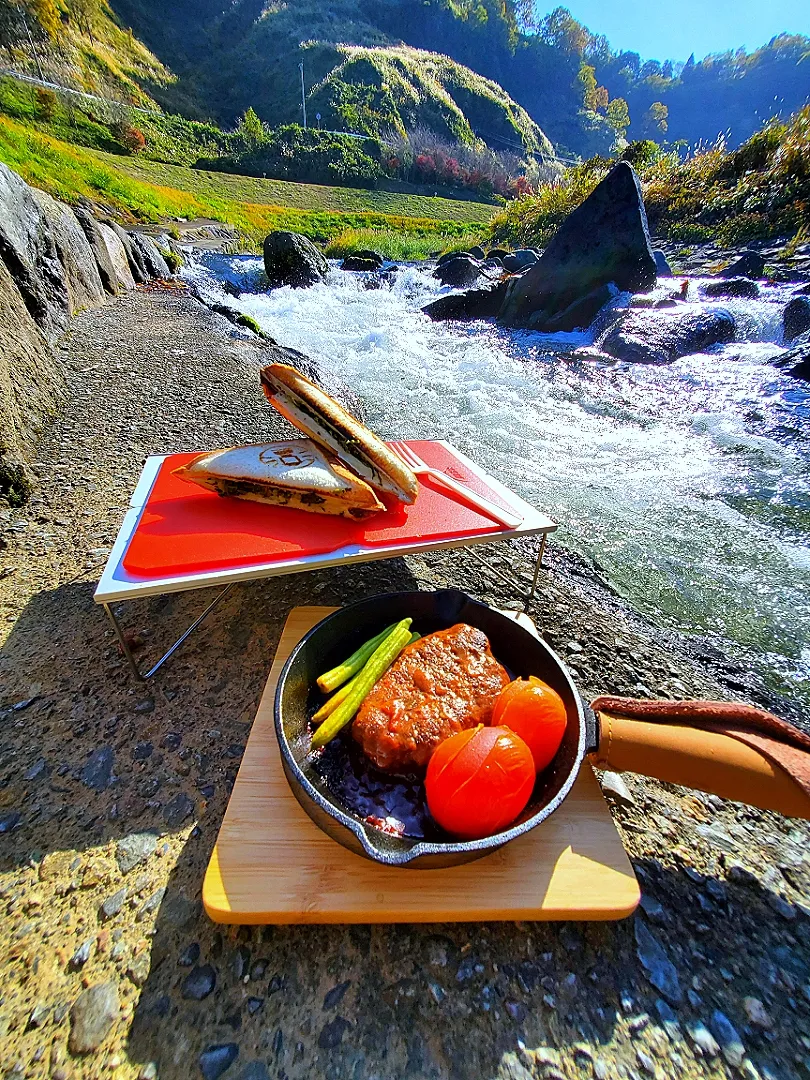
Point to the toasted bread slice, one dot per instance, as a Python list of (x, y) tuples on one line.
[(294, 473), (318, 415)]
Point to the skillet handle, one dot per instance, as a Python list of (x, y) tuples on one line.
[(706, 760)]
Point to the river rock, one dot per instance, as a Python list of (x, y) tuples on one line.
[(137, 266), (31, 383), (154, 262), (661, 972), (118, 257), (796, 362), (292, 259), (750, 264), (473, 304), (796, 318), (373, 256), (355, 262), (577, 316), (91, 1017), (737, 286), (604, 240), (91, 229), (497, 253), (477, 253), (659, 337), (461, 270), (217, 1059), (29, 252), (515, 261), (83, 280), (662, 267)]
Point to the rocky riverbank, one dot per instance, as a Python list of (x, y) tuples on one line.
[(111, 795)]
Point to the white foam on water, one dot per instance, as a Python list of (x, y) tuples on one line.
[(689, 483)]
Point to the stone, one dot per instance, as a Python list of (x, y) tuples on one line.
[(516, 261), (662, 267), (97, 773), (81, 955), (477, 252), (473, 304), (616, 790), (730, 1042), (661, 972), (354, 262), (135, 260), (796, 318), (216, 1060), (370, 256), (336, 994), (85, 288), (750, 264), (659, 337), (604, 240), (113, 904), (31, 385), (177, 810), (134, 849), (118, 257), (28, 249), (796, 362), (703, 1039), (332, 1034), (155, 264), (92, 1015), (462, 270), (497, 253), (139, 968), (199, 983), (577, 316), (91, 229), (757, 1014), (738, 286), (292, 259)]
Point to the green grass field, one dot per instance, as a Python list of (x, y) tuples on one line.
[(250, 189), (69, 172)]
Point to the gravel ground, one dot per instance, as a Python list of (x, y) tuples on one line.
[(111, 795)]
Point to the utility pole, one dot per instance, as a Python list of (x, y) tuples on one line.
[(31, 43), (303, 95)]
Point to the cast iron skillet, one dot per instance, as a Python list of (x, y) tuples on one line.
[(340, 634)]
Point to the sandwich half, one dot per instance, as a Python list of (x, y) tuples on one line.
[(295, 473), (320, 417)]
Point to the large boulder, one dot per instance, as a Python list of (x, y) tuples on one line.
[(577, 316), (796, 318), (92, 230), (28, 250), (83, 280), (292, 259), (462, 270), (473, 304), (354, 262), (515, 261), (736, 286), (750, 264), (154, 262), (796, 362), (659, 337), (137, 266), (31, 383), (118, 257), (605, 239), (662, 264)]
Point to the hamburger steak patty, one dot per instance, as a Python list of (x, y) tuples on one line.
[(443, 683)]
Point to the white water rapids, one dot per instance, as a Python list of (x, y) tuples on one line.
[(688, 484)]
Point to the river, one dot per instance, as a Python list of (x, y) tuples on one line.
[(688, 485)]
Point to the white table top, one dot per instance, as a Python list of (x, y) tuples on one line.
[(116, 584)]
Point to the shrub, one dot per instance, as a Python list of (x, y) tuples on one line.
[(47, 103), (131, 138)]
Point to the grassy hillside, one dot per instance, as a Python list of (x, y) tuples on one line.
[(759, 191), (71, 173), (253, 189)]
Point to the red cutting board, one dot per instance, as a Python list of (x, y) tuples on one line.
[(185, 530)]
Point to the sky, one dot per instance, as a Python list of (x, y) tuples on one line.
[(671, 31)]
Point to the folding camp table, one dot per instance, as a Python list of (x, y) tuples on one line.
[(176, 536)]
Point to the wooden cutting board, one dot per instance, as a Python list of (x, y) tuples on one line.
[(271, 864)]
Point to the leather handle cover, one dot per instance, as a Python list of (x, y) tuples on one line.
[(706, 760)]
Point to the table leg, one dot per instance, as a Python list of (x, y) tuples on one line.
[(537, 565), (125, 647)]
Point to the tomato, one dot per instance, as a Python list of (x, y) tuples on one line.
[(478, 781), (534, 711)]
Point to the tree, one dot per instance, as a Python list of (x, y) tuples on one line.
[(561, 29), (667, 70), (618, 116), (85, 13), (251, 129), (651, 68), (688, 68), (47, 15), (655, 118)]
